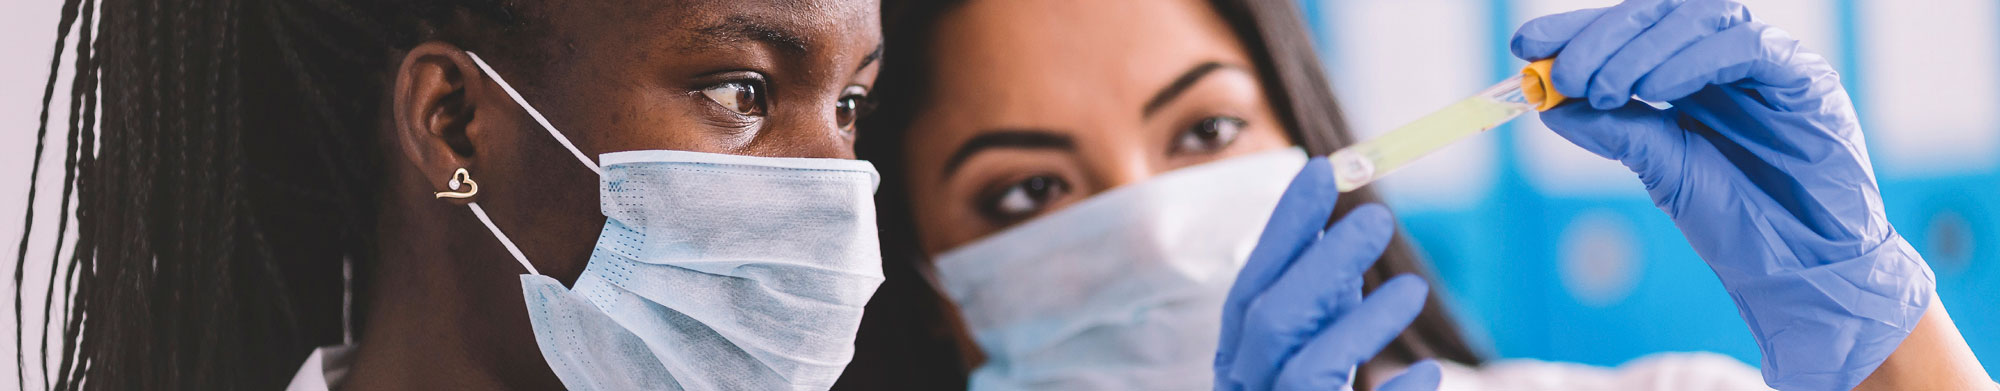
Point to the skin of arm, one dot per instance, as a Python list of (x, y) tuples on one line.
[(1933, 357)]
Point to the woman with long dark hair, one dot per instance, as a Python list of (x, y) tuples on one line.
[(913, 337), (1069, 188), (253, 180)]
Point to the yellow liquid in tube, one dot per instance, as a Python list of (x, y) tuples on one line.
[(1362, 163)]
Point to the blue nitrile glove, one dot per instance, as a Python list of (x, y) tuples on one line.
[(1761, 164), (1295, 318)]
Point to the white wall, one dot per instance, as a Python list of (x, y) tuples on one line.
[(29, 27)]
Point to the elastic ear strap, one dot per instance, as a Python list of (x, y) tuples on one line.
[(346, 301), (477, 211), (534, 113)]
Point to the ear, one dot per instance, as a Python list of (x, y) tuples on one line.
[(432, 112)]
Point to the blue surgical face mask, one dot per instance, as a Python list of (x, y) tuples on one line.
[(1122, 291), (713, 272)]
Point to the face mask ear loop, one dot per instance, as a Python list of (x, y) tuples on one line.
[(477, 211), (538, 119), (346, 301)]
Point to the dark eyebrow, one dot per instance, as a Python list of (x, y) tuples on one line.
[(1180, 84), (872, 56), (740, 28), (1007, 138)]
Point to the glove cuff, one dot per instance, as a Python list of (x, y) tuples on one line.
[(1828, 327)]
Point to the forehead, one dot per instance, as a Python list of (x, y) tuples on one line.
[(1027, 55), (682, 25)]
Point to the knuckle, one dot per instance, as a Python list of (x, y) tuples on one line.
[(1264, 319), (1273, 320), (1768, 44), (1727, 14)]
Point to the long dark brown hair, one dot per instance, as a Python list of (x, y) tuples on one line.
[(222, 158), (911, 337)]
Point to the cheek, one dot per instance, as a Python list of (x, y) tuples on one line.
[(543, 199), (926, 195), (666, 120), (942, 223), (615, 118)]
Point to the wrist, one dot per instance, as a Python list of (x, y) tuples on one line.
[(1829, 326), (1933, 357)]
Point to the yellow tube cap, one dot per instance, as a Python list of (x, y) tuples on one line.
[(1536, 87)]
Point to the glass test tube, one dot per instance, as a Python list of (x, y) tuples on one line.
[(1362, 163)]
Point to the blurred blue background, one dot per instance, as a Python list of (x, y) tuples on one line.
[(1552, 253)]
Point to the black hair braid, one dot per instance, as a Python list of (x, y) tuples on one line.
[(82, 150), (83, 158), (71, 13), (308, 79), (207, 253)]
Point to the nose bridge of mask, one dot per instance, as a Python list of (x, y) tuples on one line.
[(705, 211)]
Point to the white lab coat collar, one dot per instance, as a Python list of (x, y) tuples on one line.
[(324, 370)]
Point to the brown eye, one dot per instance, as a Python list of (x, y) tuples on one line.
[(1025, 198), (1209, 135), (740, 97), (850, 108)]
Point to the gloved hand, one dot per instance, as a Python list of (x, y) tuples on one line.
[(1295, 318), (1761, 164)]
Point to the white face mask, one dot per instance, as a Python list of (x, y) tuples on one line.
[(713, 272), (1122, 291)]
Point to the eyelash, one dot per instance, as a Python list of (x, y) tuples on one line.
[(1052, 188), (1226, 128), (862, 104), (854, 103), (751, 87)]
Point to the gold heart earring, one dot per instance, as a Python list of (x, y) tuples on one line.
[(458, 177)]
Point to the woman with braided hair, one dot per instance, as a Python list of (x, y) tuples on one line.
[(297, 192)]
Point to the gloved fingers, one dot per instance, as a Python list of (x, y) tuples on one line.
[(1322, 283), (1270, 336), (1755, 52), (1806, 173), (1587, 52), (1301, 213), (1423, 376), (1543, 37), (1350, 247), (1679, 29), (1324, 363), (1646, 140)]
